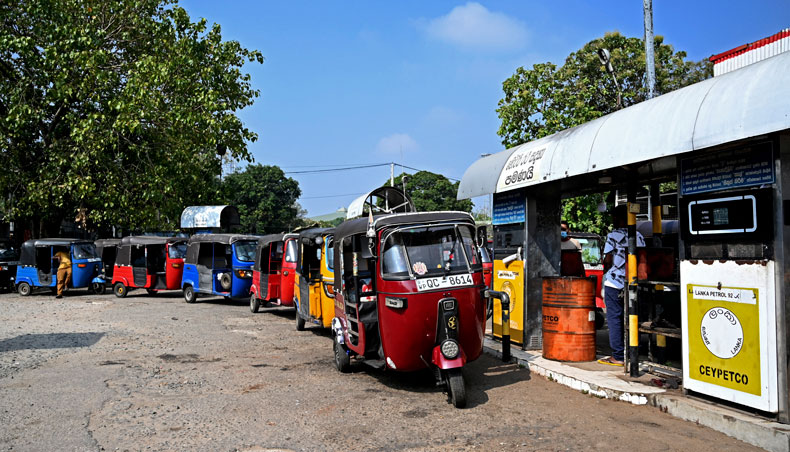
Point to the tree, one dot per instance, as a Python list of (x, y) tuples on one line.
[(432, 192), (116, 109), (265, 197), (546, 99)]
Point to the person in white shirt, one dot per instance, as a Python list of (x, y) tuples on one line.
[(614, 262)]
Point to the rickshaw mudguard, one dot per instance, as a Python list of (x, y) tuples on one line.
[(443, 363)]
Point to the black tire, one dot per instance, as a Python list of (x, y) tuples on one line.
[(226, 281), (189, 294), (456, 388), (599, 319), (97, 288), (54, 290), (342, 360), (299, 321), (151, 292), (255, 304), (120, 290), (23, 289)]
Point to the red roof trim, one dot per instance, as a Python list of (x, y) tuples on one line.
[(740, 50)]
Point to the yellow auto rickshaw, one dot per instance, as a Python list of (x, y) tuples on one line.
[(314, 295)]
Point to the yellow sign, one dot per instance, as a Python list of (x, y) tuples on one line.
[(510, 280), (724, 337)]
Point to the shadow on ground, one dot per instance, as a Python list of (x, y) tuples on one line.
[(49, 340)]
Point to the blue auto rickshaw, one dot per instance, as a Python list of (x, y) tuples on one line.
[(218, 264), (38, 268)]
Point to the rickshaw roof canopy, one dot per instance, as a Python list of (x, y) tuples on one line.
[(209, 217), (269, 238), (55, 242), (151, 240), (313, 233), (738, 105), (107, 242), (397, 200), (227, 239), (360, 225)]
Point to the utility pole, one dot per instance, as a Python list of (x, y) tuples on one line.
[(392, 174), (650, 58)]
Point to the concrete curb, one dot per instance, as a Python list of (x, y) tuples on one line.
[(753, 430)]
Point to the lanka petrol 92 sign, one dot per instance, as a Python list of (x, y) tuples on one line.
[(724, 337)]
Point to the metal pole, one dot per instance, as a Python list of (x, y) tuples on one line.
[(631, 292), (650, 59), (392, 174), (655, 198), (504, 300)]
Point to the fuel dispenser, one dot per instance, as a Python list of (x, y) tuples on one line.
[(728, 278), (509, 236)]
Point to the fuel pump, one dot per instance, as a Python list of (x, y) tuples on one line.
[(728, 295)]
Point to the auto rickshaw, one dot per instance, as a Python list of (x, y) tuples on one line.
[(9, 260), (107, 249), (409, 295), (314, 282), (148, 262), (218, 264), (273, 271), (38, 268)]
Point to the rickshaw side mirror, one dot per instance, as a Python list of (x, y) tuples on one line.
[(319, 240), (482, 236)]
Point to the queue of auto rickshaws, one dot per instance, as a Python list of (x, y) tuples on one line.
[(400, 290)]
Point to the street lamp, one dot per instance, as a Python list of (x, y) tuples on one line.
[(606, 60)]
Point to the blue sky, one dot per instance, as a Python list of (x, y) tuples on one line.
[(417, 82)]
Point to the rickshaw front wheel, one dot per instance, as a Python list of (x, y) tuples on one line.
[(119, 290), (456, 388), (97, 288), (189, 294), (342, 360), (23, 289), (254, 303), (299, 321)]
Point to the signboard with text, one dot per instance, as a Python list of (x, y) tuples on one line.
[(726, 170), (509, 208)]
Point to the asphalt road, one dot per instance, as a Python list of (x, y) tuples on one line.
[(92, 372)]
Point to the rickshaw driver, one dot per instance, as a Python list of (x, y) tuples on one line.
[(64, 271)]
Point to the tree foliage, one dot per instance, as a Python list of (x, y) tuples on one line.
[(432, 192), (116, 108), (546, 99), (265, 197)]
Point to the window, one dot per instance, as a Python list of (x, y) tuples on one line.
[(591, 250), (290, 251), (177, 250), (425, 251), (468, 238), (330, 253), (84, 251), (245, 250), (206, 254)]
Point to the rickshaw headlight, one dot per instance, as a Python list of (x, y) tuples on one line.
[(450, 349), (244, 273)]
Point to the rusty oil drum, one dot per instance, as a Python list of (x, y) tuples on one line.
[(569, 318)]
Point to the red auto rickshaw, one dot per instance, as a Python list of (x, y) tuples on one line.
[(409, 295), (149, 262), (273, 271)]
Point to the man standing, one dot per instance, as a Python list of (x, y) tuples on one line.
[(614, 262), (64, 271)]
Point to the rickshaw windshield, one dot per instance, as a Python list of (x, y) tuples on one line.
[(84, 251), (591, 251), (421, 251), (330, 255), (245, 250), (177, 250), (290, 251)]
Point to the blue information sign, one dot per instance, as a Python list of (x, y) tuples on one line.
[(725, 170), (509, 208)]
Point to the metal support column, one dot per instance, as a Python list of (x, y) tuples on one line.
[(631, 292)]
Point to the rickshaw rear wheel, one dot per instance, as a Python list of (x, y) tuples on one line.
[(119, 290), (342, 360), (255, 304), (456, 387), (299, 321), (23, 289), (189, 294), (151, 292)]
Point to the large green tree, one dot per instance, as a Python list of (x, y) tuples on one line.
[(116, 109), (547, 99), (265, 197), (432, 192)]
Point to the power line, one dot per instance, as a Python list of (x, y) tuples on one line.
[(328, 166), (333, 196), (336, 169)]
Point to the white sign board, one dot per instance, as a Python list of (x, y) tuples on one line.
[(522, 168)]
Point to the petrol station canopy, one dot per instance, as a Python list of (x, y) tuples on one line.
[(742, 104)]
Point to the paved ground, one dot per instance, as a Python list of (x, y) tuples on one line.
[(154, 373)]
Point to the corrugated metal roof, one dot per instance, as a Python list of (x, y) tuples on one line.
[(742, 104), (751, 53)]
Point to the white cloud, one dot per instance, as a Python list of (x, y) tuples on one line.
[(474, 26), (396, 143)]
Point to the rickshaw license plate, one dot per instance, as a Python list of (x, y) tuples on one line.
[(442, 282)]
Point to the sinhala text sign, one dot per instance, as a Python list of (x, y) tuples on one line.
[(729, 330), (522, 168)]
